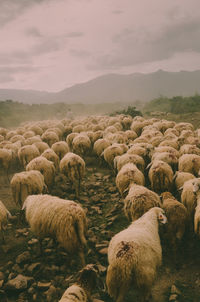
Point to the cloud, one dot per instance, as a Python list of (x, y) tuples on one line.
[(16, 57), (79, 53), (33, 31), (117, 12), (144, 45), (75, 34), (11, 9)]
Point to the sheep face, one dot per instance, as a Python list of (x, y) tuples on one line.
[(162, 219)]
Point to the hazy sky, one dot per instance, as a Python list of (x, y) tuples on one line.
[(53, 44)]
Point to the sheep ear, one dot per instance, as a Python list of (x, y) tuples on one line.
[(195, 187), (180, 189), (149, 165), (162, 218)]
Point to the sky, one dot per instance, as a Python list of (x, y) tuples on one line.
[(54, 44)]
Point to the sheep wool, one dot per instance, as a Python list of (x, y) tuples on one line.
[(64, 220), (73, 166), (134, 255), (4, 215), (139, 200)]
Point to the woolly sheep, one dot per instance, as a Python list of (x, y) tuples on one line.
[(60, 148), (142, 149), (6, 158), (189, 149), (4, 216), (197, 213), (167, 157), (139, 200), (111, 151), (42, 146), (128, 174), (100, 145), (121, 160), (81, 290), (50, 137), (52, 156), (45, 166), (189, 163), (73, 166), (64, 220), (177, 218), (134, 256), (81, 145), (169, 142), (27, 153), (70, 138), (189, 197), (160, 176), (167, 149), (181, 177), (26, 183)]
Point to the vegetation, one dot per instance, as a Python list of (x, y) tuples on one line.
[(176, 104), (132, 111)]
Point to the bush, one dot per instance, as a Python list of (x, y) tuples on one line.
[(132, 111)]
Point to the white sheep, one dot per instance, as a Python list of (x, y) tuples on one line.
[(52, 156), (50, 137), (189, 163), (110, 152), (100, 145), (180, 178), (60, 148), (64, 220), (129, 174), (177, 218), (160, 176), (134, 255), (6, 159), (81, 290), (189, 149), (42, 146), (4, 216), (73, 166), (45, 166), (121, 160), (189, 197), (139, 200), (81, 144), (26, 183), (27, 153)]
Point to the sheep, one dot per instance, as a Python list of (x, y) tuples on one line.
[(160, 176), (27, 153), (143, 149), (60, 148), (189, 163), (73, 166), (81, 144), (45, 166), (180, 178), (42, 146), (167, 149), (128, 174), (100, 145), (189, 149), (4, 216), (121, 160), (177, 218), (50, 137), (52, 156), (189, 197), (6, 159), (64, 220), (169, 142), (134, 255), (110, 152), (139, 200), (26, 183), (167, 157), (70, 138), (81, 290)]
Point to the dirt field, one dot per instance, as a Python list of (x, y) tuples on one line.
[(52, 273)]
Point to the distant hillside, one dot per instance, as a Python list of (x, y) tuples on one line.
[(115, 88)]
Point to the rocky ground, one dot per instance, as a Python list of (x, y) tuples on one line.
[(25, 275)]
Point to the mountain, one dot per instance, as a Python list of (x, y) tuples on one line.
[(112, 88)]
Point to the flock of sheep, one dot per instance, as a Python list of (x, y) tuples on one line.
[(156, 163)]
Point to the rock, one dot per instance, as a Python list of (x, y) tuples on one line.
[(103, 251), (19, 283), (2, 276), (175, 290), (43, 285), (173, 297), (17, 269), (102, 269), (33, 241), (1, 283), (51, 294), (33, 267), (24, 257)]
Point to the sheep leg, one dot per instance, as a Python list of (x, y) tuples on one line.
[(82, 257), (122, 292)]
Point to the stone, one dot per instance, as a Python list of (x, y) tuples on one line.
[(51, 294), (2, 276), (33, 267), (173, 297), (175, 290), (43, 285), (19, 283), (24, 257)]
